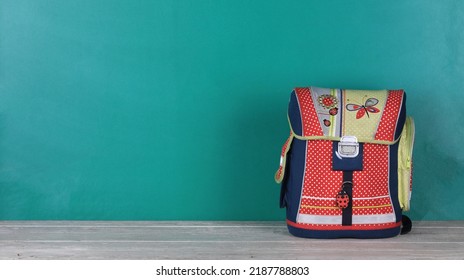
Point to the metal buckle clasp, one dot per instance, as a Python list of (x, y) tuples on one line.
[(348, 147)]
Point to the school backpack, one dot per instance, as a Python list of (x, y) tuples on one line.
[(346, 168)]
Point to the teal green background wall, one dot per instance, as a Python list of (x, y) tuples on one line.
[(162, 110)]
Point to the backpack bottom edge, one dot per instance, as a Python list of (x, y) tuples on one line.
[(332, 234)]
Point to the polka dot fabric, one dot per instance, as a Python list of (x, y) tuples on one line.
[(320, 211), (318, 202), (371, 201), (320, 182), (373, 212), (372, 181), (319, 206), (388, 122), (311, 124), (366, 126)]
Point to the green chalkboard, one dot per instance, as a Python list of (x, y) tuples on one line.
[(176, 109)]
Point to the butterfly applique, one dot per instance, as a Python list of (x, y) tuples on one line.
[(365, 109)]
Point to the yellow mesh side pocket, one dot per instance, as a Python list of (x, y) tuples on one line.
[(405, 163)]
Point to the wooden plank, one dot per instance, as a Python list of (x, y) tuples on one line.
[(215, 240)]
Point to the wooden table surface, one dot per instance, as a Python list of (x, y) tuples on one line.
[(81, 240)]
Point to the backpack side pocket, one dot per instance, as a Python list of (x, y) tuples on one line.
[(280, 173), (405, 164)]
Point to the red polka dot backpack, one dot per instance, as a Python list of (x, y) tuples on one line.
[(346, 168)]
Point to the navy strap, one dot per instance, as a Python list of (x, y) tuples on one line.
[(347, 213)]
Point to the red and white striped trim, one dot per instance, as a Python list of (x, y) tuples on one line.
[(340, 227)]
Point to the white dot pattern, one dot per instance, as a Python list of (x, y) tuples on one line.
[(387, 125), (319, 179), (322, 184), (372, 181), (310, 125), (373, 211)]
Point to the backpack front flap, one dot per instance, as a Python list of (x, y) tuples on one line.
[(348, 141), (374, 116)]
